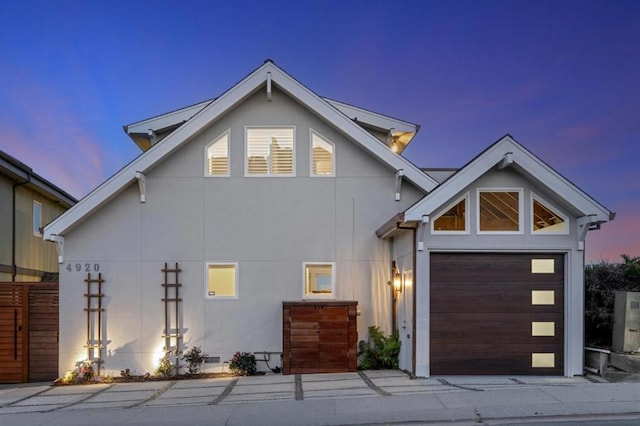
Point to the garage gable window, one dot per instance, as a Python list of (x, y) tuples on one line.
[(222, 280), (546, 219), (269, 151), (454, 219), (218, 156), (319, 280), (500, 211)]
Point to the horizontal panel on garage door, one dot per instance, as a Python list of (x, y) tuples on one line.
[(492, 314)]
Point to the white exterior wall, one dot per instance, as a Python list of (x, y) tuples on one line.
[(403, 246), (269, 226), (524, 243)]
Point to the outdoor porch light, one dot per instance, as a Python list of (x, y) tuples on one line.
[(396, 278)]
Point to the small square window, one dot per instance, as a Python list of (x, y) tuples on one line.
[(319, 280), (37, 218), (269, 151), (453, 220), (222, 280), (546, 219), (542, 266)]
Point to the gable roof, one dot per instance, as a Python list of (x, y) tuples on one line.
[(507, 152), (212, 111)]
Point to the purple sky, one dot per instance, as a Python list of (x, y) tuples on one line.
[(562, 77)]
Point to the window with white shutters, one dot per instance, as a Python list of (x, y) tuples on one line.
[(322, 156), (218, 156), (270, 151)]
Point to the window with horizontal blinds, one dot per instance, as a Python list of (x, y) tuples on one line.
[(270, 151), (218, 156), (322, 156)]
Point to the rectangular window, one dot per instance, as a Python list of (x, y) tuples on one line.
[(543, 328), (322, 156), (218, 156), (222, 280), (499, 211), (319, 280), (37, 218), (542, 266), (269, 151), (542, 360), (542, 297)]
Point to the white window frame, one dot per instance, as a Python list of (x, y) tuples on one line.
[(206, 281), (206, 154), (246, 152), (333, 154), (520, 192), (564, 217), (306, 295), (467, 223), (35, 226)]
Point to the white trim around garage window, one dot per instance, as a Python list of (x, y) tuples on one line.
[(318, 280), (262, 151), (561, 228), (520, 213), (320, 165), (218, 148), (449, 207), (37, 219), (221, 278)]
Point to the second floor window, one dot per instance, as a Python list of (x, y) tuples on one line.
[(269, 151)]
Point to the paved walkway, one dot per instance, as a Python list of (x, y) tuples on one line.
[(382, 396)]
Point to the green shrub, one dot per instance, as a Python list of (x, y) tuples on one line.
[(243, 364), (601, 282), (194, 358), (165, 368), (379, 352)]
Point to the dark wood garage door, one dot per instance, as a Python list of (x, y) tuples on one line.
[(497, 314)]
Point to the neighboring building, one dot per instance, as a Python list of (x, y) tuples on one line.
[(27, 203), (270, 193)]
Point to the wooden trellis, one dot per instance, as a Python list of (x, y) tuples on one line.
[(172, 332), (94, 311)]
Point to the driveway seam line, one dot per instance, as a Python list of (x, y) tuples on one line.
[(372, 385), (26, 397), (447, 383), (299, 389), (225, 392), (80, 401), (156, 394)]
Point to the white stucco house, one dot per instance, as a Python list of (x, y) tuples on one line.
[(270, 193)]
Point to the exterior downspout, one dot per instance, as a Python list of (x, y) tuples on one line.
[(14, 267)]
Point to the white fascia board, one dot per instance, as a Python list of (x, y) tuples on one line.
[(166, 120), (524, 159), (208, 114), (373, 118)]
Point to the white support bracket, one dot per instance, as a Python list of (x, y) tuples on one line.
[(506, 161), (399, 175), (585, 224), (421, 228), (59, 240), (269, 87), (152, 136), (142, 185)]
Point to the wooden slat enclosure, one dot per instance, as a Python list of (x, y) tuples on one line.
[(319, 337), (28, 332), (482, 314)]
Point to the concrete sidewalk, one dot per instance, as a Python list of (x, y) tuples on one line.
[(371, 397)]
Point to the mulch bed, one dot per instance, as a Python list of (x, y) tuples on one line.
[(148, 378)]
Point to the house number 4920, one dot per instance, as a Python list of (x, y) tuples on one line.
[(83, 267)]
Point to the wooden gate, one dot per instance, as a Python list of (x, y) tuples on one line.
[(28, 332)]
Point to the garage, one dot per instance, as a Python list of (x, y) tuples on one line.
[(496, 314)]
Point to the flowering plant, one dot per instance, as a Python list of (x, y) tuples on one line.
[(243, 364), (83, 373)]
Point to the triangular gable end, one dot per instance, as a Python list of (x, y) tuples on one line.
[(503, 153), (266, 73)]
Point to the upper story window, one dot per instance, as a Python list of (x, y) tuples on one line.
[(269, 151), (500, 210), (454, 219), (218, 156), (37, 218), (546, 219), (322, 156), (319, 280)]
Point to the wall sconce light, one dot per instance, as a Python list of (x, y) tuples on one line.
[(396, 279)]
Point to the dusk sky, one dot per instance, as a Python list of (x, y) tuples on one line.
[(562, 77)]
